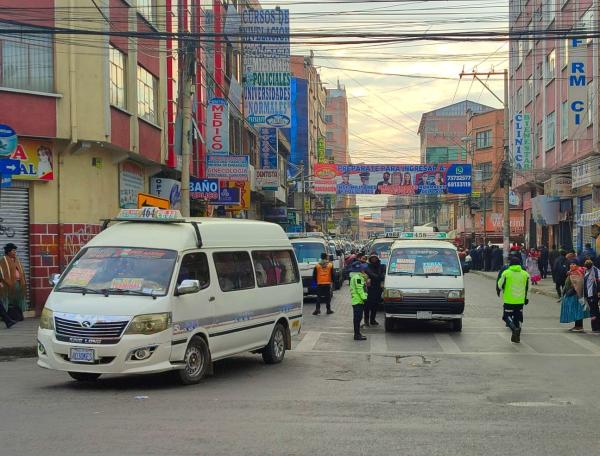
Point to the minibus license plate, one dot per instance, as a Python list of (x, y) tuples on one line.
[(424, 315), (82, 355), (305, 290)]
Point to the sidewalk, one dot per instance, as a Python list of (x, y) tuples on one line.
[(544, 287), (19, 341)]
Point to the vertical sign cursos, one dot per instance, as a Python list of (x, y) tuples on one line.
[(267, 143), (522, 141), (577, 72), (267, 92), (217, 127)]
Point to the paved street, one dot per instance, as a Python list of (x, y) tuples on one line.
[(420, 391)]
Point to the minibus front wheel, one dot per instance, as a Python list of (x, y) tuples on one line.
[(197, 362), (274, 351)]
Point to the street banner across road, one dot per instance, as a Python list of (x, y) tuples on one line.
[(426, 179)]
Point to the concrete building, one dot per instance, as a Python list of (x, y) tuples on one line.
[(557, 189), (442, 134)]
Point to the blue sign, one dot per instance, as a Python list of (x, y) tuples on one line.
[(207, 189), (458, 179), (228, 196), (8, 140), (6, 181), (294, 229), (267, 144), (9, 167)]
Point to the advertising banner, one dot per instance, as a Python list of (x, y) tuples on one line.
[(267, 75), (228, 196), (167, 188), (522, 141), (267, 179), (227, 167), (131, 182), (578, 73), (426, 179), (35, 160), (207, 189), (267, 143), (321, 150), (585, 172), (217, 126), (240, 191)]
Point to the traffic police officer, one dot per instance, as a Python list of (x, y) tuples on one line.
[(514, 283)]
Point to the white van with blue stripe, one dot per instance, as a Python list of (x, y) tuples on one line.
[(156, 292)]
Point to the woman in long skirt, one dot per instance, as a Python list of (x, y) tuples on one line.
[(531, 264), (572, 307)]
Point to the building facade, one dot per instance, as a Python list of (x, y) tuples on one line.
[(554, 91)]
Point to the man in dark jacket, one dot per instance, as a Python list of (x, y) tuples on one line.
[(559, 272), (496, 258), (487, 258), (552, 256), (543, 261), (376, 273)]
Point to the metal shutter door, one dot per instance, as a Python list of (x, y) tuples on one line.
[(14, 227)]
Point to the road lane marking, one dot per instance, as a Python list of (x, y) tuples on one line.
[(522, 347), (447, 343), (424, 352), (578, 340), (308, 342), (378, 343)]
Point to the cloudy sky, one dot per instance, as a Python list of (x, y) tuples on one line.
[(385, 110)]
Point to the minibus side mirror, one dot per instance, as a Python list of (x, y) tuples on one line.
[(188, 287), (53, 279)]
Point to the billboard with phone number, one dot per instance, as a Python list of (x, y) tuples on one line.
[(425, 179)]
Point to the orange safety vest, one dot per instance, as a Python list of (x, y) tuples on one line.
[(324, 274)]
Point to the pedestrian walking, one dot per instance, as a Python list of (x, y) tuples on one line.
[(591, 292), (13, 284), (543, 261), (358, 296), (376, 274), (514, 283), (559, 272), (588, 252), (496, 258), (573, 307), (323, 276), (487, 258), (531, 265)]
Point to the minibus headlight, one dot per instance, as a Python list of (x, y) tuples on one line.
[(149, 324), (456, 294), (46, 319), (393, 293)]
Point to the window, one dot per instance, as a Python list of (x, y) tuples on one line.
[(519, 99), (564, 120), (483, 139), (486, 170), (550, 131), (565, 61), (329, 152), (147, 95), (328, 118), (275, 268), (529, 90), (329, 136), (234, 270), (27, 61), (118, 78), (549, 65), (549, 12), (194, 266), (146, 9), (587, 22)]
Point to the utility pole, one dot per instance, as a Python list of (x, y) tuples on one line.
[(186, 142), (506, 176), (506, 168)]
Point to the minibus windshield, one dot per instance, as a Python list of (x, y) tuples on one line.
[(424, 261), (308, 252), (119, 270)]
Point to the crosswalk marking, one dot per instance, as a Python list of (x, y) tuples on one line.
[(448, 345), (578, 340), (308, 342)]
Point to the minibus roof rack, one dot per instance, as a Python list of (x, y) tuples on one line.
[(153, 215)]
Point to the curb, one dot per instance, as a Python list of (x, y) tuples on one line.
[(18, 352), (549, 294)]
